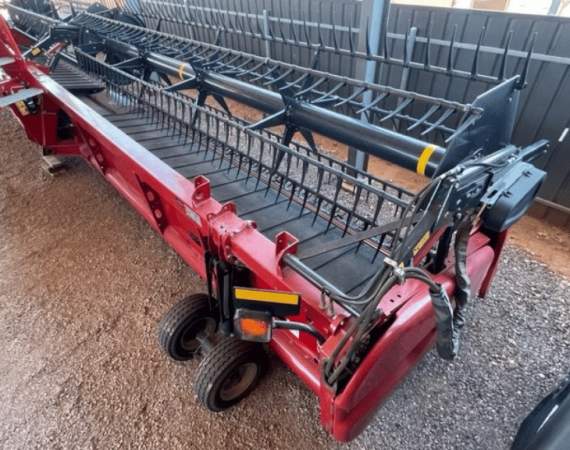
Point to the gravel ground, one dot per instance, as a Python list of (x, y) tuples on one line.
[(84, 281)]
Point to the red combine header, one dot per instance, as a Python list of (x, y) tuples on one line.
[(348, 278)]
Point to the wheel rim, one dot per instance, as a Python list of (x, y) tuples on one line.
[(238, 381), (188, 340)]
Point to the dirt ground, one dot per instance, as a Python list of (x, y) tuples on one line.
[(84, 281), (83, 284)]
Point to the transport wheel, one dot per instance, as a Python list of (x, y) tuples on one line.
[(229, 372), (179, 328)]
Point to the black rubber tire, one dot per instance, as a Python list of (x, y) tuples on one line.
[(181, 323), (220, 364)]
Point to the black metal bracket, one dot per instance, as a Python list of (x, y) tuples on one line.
[(284, 117)]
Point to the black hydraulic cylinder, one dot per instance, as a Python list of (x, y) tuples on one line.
[(408, 152)]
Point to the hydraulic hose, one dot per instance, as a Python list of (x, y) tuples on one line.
[(463, 283), (447, 337), (449, 322)]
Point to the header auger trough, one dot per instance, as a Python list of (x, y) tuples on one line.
[(347, 277)]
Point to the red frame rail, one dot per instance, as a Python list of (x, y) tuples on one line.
[(192, 223)]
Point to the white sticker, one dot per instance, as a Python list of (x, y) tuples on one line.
[(193, 215)]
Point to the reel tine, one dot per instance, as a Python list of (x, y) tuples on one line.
[(524, 74), (293, 32), (281, 34), (503, 66), (475, 66), (350, 41), (307, 36), (319, 33), (450, 55), (334, 40), (367, 39)]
